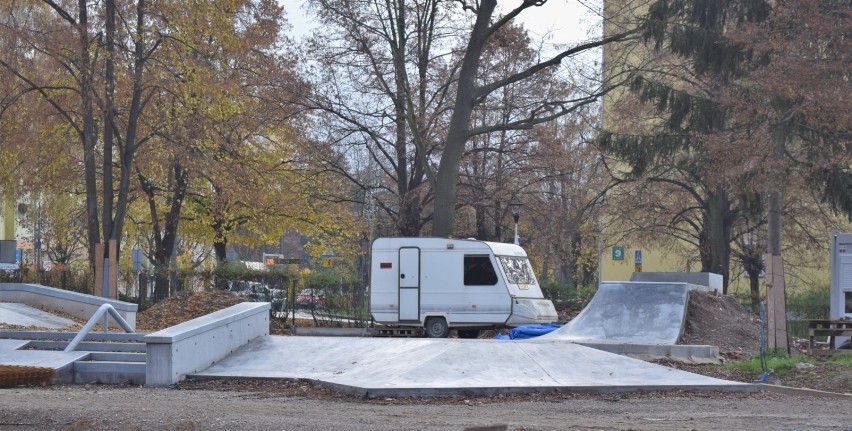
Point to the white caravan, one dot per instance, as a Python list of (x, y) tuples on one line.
[(442, 284)]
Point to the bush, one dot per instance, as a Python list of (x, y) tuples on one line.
[(555, 291), (813, 303)]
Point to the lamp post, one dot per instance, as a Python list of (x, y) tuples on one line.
[(516, 214)]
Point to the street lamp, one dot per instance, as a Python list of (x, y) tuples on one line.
[(516, 214)]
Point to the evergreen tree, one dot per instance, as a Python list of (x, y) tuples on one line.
[(726, 121)]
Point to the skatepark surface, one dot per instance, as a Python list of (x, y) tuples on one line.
[(427, 367), (650, 313), (24, 315), (632, 313)]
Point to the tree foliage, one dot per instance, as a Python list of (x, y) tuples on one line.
[(718, 88)]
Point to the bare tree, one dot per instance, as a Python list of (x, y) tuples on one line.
[(470, 95), (380, 93)]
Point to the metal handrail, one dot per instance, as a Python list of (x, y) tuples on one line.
[(102, 312)]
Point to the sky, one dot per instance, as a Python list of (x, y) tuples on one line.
[(562, 21)]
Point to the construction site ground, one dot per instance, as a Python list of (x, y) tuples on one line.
[(256, 404)]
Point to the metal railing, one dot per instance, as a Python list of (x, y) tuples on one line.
[(104, 311)]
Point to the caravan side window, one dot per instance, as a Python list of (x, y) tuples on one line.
[(478, 271)]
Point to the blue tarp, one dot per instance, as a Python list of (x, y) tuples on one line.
[(526, 332)]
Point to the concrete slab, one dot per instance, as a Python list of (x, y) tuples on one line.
[(41, 358), (424, 367), (24, 315), (7, 345), (630, 312)]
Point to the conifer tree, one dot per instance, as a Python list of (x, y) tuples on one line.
[(739, 111)]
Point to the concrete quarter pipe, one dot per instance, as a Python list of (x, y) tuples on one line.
[(631, 312)]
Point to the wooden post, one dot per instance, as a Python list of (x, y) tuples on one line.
[(98, 288), (113, 269), (776, 304)]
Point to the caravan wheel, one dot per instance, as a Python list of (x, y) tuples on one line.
[(436, 327)]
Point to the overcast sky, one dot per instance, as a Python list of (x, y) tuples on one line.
[(566, 21)]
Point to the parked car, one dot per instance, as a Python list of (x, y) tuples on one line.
[(261, 293), (310, 298)]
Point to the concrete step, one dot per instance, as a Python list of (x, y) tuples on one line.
[(89, 346), (58, 335), (118, 357), (109, 372)]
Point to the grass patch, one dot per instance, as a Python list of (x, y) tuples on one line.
[(776, 361), (780, 363), (843, 359)]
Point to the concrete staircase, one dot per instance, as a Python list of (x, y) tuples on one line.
[(111, 358)]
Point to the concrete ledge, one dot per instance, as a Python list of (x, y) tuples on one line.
[(79, 305), (707, 279), (199, 343), (696, 354)]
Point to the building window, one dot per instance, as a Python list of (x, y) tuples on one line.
[(478, 271)]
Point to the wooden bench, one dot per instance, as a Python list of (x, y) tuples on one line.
[(828, 328)]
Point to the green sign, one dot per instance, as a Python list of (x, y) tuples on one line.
[(618, 253)]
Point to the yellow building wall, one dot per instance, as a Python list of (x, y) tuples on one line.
[(653, 260), (801, 271)]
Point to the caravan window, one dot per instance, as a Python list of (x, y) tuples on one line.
[(478, 271), (517, 270)]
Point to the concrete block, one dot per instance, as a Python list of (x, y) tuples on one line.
[(707, 279), (199, 343)]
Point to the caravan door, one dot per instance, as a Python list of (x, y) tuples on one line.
[(409, 283)]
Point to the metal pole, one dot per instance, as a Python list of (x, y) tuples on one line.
[(600, 251), (517, 240), (105, 292)]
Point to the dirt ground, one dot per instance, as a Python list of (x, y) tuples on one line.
[(297, 405)]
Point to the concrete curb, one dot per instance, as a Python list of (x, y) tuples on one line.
[(366, 392), (695, 354)]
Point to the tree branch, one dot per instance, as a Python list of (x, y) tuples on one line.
[(485, 90)]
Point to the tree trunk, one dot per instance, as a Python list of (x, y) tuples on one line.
[(161, 281), (719, 222), (135, 113), (165, 239), (443, 224), (109, 126), (220, 250), (754, 287), (88, 138)]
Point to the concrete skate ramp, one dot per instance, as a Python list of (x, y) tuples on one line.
[(427, 367), (24, 315), (630, 313)]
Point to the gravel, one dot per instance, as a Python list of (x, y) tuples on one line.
[(297, 406)]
